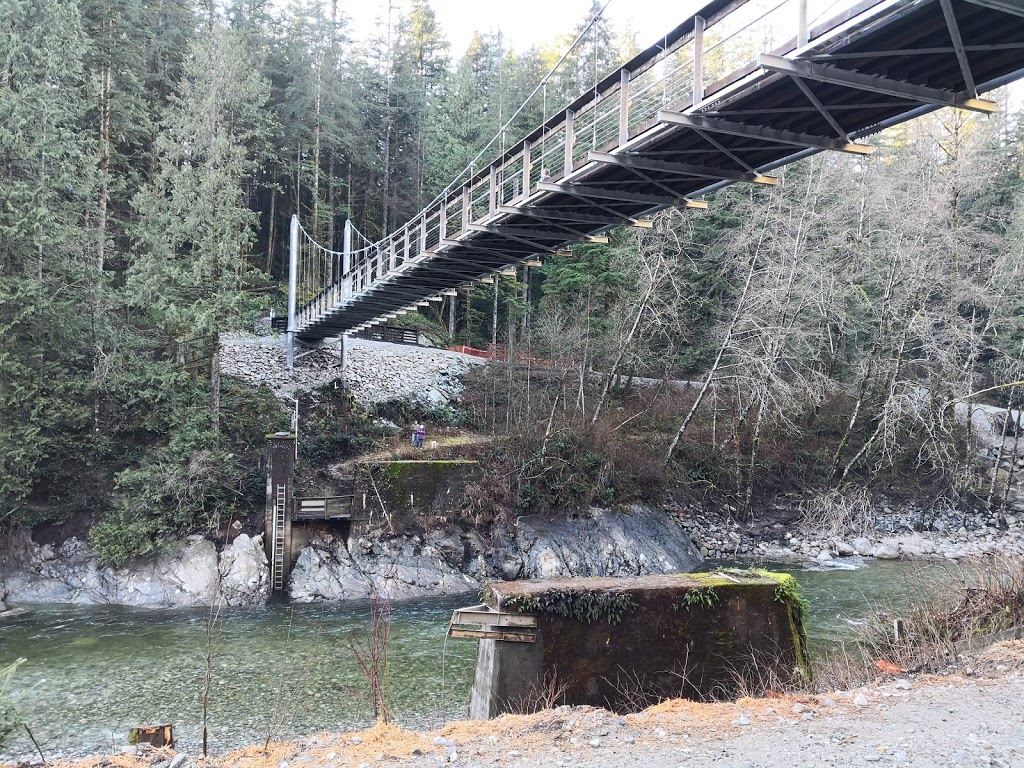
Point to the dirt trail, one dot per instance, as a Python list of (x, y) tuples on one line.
[(963, 721), (402, 451)]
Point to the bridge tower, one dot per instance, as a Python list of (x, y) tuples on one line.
[(340, 289)]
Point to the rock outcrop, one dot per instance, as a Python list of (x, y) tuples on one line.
[(636, 540), (244, 573), (402, 567), (190, 573), (629, 541)]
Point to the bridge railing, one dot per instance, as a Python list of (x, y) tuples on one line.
[(693, 63)]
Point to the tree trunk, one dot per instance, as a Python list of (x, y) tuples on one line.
[(524, 321), (272, 231), (872, 354), (494, 316), (215, 385), (623, 348), (740, 306)]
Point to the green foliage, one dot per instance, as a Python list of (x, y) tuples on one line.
[(579, 605), (120, 537), (45, 320), (788, 591), (570, 475), (701, 597), (194, 481), (431, 327), (403, 412), (194, 223)]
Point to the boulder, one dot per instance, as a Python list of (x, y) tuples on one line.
[(244, 572), (843, 549), (887, 550), (863, 547)]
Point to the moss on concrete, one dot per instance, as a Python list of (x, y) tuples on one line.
[(703, 635)]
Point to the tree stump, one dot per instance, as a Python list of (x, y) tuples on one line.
[(156, 735)]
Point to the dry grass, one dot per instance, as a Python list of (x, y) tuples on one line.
[(937, 634), (838, 512)]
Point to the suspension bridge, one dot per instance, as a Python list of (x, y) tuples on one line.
[(739, 89)]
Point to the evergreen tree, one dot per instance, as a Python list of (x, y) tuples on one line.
[(46, 181), (195, 228)]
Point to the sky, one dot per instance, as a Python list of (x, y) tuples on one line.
[(527, 22), (538, 22)]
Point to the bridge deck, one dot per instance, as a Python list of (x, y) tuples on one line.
[(881, 64)]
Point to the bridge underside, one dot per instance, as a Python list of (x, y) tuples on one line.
[(897, 64)]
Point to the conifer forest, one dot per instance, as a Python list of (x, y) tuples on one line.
[(153, 152)]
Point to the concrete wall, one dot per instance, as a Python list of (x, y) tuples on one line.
[(614, 642), (411, 491)]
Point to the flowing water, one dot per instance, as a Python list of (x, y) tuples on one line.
[(93, 672)]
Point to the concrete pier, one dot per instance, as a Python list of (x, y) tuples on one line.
[(617, 642)]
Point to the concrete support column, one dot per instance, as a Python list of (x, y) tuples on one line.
[(507, 675), (277, 539)]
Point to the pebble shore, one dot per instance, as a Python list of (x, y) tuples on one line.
[(896, 534)]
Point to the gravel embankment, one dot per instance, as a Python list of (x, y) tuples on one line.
[(375, 371)]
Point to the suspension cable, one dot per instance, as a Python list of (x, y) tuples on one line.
[(508, 123)]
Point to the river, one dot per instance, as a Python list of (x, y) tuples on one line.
[(280, 670)]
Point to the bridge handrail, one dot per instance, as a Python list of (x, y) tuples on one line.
[(610, 122)]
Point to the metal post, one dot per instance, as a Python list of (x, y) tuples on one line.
[(465, 210), (526, 169), (698, 59), (623, 107), (570, 140), (346, 260), (492, 200), (293, 276), (346, 248), (801, 34)]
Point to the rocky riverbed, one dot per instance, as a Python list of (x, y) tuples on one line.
[(632, 540), (968, 720), (599, 542)]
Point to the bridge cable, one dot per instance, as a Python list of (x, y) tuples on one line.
[(508, 123), (593, 45)]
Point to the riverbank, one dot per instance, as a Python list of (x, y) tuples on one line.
[(76, 707), (971, 718), (449, 559), (886, 531)]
